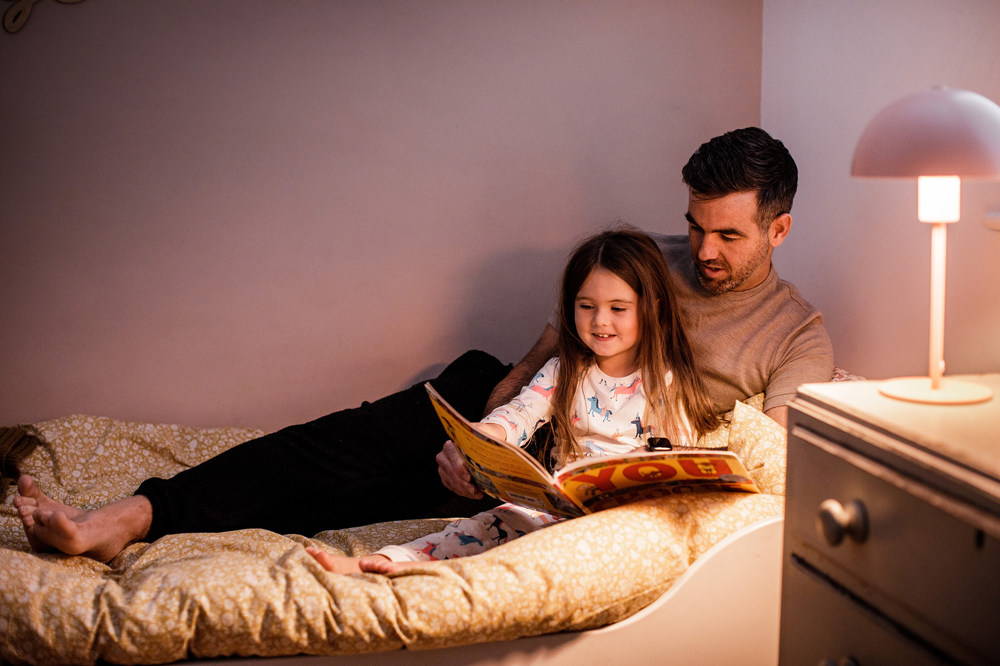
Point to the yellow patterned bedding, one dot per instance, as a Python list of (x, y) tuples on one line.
[(253, 592)]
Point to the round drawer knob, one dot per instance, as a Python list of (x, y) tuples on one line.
[(838, 520)]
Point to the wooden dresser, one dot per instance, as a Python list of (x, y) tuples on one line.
[(892, 529)]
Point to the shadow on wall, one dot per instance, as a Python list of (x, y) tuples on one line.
[(508, 326)]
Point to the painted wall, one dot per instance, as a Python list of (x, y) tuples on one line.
[(251, 212), (857, 250)]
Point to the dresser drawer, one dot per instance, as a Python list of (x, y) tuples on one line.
[(822, 623), (922, 558)]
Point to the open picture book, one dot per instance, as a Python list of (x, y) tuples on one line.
[(511, 474)]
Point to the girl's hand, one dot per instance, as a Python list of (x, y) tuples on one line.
[(453, 473)]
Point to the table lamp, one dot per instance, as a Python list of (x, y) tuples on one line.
[(938, 136)]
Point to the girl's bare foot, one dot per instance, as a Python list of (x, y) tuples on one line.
[(347, 565), (380, 564)]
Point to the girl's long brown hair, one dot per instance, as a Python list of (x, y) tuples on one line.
[(636, 259)]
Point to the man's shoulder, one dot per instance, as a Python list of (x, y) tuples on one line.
[(791, 298)]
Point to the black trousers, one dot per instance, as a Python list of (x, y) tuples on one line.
[(357, 466)]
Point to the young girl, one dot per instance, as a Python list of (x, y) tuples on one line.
[(624, 373)]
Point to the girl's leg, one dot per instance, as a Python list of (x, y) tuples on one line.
[(461, 538), (471, 536), (347, 565)]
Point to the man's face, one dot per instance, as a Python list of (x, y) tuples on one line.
[(729, 250)]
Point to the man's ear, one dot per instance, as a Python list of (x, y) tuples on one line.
[(779, 228)]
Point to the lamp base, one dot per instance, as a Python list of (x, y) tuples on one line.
[(951, 391)]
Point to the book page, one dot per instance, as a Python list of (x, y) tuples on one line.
[(604, 482), (500, 469)]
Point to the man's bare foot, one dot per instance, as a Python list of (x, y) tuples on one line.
[(30, 499), (347, 565), (99, 534)]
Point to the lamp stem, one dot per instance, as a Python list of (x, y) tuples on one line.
[(939, 244)]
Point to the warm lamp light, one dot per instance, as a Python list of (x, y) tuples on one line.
[(939, 198), (938, 136)]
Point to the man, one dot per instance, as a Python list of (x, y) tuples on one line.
[(750, 331)]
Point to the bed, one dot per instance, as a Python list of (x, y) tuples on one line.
[(688, 578)]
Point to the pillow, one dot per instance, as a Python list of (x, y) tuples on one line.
[(719, 438), (760, 442)]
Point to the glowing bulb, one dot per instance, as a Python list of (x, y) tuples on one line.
[(938, 198)]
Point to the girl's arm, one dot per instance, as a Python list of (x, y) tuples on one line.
[(525, 370), (491, 429)]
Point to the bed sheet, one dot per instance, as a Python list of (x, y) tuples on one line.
[(253, 592)]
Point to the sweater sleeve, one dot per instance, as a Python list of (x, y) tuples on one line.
[(807, 357)]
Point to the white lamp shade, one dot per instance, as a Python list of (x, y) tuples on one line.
[(939, 137), (939, 132)]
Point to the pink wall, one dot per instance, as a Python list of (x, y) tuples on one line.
[(251, 212), (856, 248)]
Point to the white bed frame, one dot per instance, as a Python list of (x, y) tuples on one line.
[(723, 610)]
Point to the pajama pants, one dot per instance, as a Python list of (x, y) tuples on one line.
[(471, 536), (369, 464)]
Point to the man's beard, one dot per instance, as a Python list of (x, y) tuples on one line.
[(738, 277)]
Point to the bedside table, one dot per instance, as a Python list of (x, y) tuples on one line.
[(892, 529)]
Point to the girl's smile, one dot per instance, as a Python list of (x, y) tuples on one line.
[(607, 321)]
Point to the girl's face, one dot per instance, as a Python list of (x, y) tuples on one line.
[(607, 321)]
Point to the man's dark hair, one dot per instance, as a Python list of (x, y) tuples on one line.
[(745, 160)]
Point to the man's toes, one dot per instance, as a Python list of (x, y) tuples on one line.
[(26, 486)]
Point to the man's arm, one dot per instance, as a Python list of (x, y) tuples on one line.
[(525, 370), (808, 358), (779, 414)]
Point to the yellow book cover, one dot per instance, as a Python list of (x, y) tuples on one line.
[(509, 473)]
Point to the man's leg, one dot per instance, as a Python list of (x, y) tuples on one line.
[(100, 534), (367, 464)]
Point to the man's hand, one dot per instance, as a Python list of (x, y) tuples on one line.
[(451, 467), (453, 473)]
